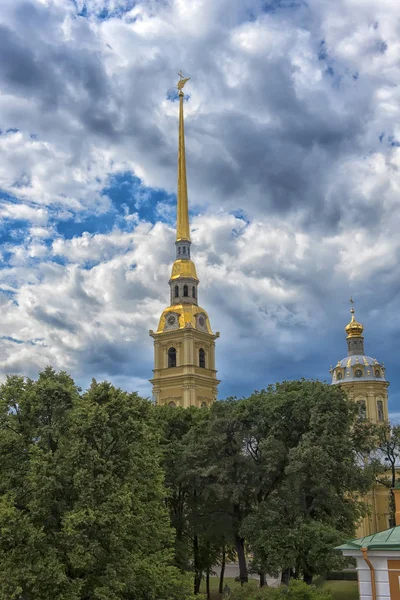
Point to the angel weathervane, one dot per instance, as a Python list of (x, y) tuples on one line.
[(181, 82)]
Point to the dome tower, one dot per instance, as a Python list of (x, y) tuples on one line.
[(184, 344), (363, 378)]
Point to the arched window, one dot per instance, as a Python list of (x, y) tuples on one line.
[(203, 405), (185, 291), (172, 404), (202, 358), (184, 250), (377, 373), (362, 410), (379, 406), (171, 357), (339, 375), (179, 249), (176, 291), (194, 291)]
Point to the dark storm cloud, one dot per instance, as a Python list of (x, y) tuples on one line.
[(281, 129), (54, 72), (267, 157), (290, 160), (57, 319), (111, 359)]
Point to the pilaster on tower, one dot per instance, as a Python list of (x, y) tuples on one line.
[(184, 344)]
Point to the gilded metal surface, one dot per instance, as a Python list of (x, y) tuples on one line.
[(187, 316), (182, 210), (354, 328), (182, 80), (183, 268)]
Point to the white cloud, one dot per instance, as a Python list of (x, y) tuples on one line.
[(293, 169)]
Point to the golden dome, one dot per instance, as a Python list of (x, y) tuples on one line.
[(354, 328), (183, 268), (187, 313)]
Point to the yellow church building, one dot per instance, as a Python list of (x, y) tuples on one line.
[(364, 380), (184, 343)]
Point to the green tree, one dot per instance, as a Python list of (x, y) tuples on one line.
[(219, 468), (389, 458), (193, 510), (82, 513), (295, 591), (175, 424), (306, 446), (34, 488)]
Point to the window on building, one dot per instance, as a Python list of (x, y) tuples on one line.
[(339, 375), (171, 357), (194, 291), (184, 250), (203, 405), (172, 404), (202, 358), (185, 291), (377, 373), (179, 249), (381, 416), (362, 410), (358, 373), (176, 291)]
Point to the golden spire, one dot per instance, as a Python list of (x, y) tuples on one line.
[(182, 210), (354, 328)]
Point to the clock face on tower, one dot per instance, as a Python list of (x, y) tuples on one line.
[(171, 320)]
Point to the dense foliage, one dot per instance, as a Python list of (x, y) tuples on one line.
[(81, 495), (278, 475), (296, 590), (106, 497)]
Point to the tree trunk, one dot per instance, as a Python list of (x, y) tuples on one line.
[(307, 578), (197, 582), (208, 583), (197, 570), (262, 579), (285, 577), (392, 509), (239, 546), (222, 573)]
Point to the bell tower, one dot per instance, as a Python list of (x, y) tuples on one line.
[(184, 344)]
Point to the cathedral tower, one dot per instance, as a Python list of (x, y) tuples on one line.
[(364, 380), (362, 377), (184, 344)]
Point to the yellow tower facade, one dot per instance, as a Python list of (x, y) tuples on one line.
[(184, 344), (363, 379)]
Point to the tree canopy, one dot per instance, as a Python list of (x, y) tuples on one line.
[(82, 513), (104, 496), (279, 474)]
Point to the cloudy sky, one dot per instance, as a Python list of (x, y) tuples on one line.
[(293, 153)]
